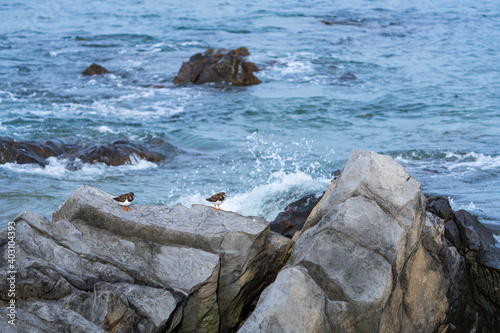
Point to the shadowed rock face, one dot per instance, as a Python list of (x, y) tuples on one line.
[(221, 66), (116, 153), (95, 69), (473, 269), (98, 268)]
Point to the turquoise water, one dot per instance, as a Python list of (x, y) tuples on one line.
[(427, 92)]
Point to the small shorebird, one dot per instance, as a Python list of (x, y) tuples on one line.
[(125, 200), (217, 199)]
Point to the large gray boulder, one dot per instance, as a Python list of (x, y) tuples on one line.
[(150, 269), (361, 249)]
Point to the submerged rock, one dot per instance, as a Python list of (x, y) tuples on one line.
[(95, 69), (116, 153), (98, 268), (221, 66)]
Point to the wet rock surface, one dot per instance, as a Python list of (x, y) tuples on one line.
[(219, 66), (292, 219), (113, 154)]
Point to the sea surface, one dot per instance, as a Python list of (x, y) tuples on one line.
[(416, 80)]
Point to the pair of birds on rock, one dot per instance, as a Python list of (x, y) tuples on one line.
[(126, 200)]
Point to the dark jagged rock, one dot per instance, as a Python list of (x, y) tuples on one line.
[(95, 69), (117, 153), (221, 66), (473, 270), (27, 151), (440, 206), (295, 215)]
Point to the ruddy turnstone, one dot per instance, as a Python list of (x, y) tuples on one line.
[(125, 200), (217, 199)]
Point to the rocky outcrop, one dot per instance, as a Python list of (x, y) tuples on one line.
[(362, 253), (374, 255), (221, 66), (95, 69), (116, 153), (98, 268)]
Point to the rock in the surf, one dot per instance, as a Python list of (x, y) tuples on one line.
[(25, 152), (95, 69), (112, 154), (221, 66), (116, 153)]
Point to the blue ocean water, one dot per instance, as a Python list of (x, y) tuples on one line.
[(425, 90)]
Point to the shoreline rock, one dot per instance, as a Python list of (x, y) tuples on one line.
[(100, 262), (374, 255)]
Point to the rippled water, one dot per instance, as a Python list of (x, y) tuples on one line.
[(426, 91)]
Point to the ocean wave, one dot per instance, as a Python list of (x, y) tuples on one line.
[(106, 129), (450, 161), (266, 200)]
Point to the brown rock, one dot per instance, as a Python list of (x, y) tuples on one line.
[(27, 152), (95, 69), (221, 66), (117, 153)]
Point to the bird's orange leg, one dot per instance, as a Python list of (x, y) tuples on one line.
[(124, 207)]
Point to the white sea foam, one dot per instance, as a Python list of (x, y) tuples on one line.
[(59, 168), (473, 160), (497, 239), (455, 162), (7, 95), (266, 200), (106, 129)]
